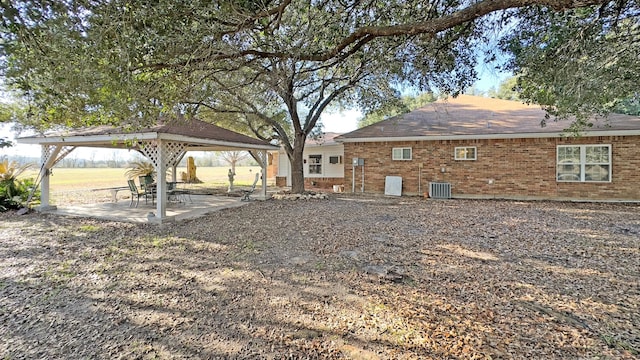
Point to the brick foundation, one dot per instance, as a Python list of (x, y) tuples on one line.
[(322, 183), (313, 183)]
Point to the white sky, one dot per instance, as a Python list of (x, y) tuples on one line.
[(341, 122), (16, 149)]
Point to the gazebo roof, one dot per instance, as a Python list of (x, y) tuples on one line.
[(197, 134)]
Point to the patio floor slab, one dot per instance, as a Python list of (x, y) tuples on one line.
[(199, 205)]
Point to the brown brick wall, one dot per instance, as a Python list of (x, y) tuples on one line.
[(508, 168), (272, 165), (281, 181)]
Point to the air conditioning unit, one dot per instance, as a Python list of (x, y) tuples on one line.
[(335, 159), (439, 190)]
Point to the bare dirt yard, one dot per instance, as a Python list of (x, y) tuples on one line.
[(344, 278)]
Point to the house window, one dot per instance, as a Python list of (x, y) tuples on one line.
[(337, 159), (583, 163), (315, 164), (401, 153), (465, 153)]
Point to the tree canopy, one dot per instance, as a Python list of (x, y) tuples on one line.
[(507, 89), (629, 106), (578, 62), (5, 143), (272, 67)]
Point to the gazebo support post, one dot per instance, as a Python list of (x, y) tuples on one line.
[(161, 183), (49, 156), (261, 157), (45, 156), (174, 176), (162, 154), (174, 167)]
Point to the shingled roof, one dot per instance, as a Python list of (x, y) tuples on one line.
[(325, 139), (199, 134), (473, 117)]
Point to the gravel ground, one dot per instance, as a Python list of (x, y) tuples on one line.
[(344, 278)]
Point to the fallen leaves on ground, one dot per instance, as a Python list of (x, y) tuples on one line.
[(347, 278)]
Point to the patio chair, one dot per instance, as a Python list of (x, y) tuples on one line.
[(145, 181), (135, 193), (148, 188), (247, 193)]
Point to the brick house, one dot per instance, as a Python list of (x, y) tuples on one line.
[(490, 148), (323, 163)]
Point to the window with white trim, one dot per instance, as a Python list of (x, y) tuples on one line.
[(465, 153), (401, 153), (315, 164), (583, 163)]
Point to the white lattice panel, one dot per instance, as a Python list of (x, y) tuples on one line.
[(48, 151), (171, 152)]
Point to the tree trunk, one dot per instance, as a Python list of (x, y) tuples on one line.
[(297, 165)]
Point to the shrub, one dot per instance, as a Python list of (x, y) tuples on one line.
[(140, 168), (14, 192)]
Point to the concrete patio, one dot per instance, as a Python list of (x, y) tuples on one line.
[(197, 206)]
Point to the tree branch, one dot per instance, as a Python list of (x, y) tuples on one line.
[(321, 104), (352, 43), (278, 10)]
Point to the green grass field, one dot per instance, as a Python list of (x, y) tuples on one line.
[(65, 179)]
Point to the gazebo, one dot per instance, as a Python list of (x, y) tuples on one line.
[(164, 145)]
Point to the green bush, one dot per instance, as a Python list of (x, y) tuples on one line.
[(14, 192)]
